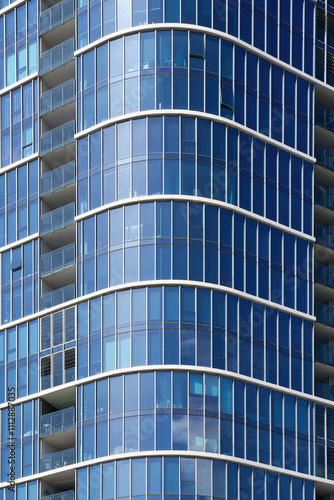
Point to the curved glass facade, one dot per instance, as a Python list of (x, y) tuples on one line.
[(195, 169), (194, 157), (178, 240), (191, 411), (188, 70), (160, 325), (289, 24), (185, 477), (157, 250)]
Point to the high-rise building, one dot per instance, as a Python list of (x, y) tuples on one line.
[(161, 336)]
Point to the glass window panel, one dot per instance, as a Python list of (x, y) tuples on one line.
[(116, 57), (164, 58), (131, 53), (154, 476), (171, 474), (122, 478), (138, 476), (108, 481), (147, 50)]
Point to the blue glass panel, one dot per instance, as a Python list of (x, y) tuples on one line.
[(154, 476), (122, 482), (171, 474), (108, 481)]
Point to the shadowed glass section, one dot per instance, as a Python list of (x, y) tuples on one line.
[(324, 275), (324, 236), (324, 354), (324, 314), (325, 157)]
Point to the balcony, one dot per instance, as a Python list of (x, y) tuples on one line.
[(324, 236), (57, 219), (57, 56), (324, 314), (325, 391), (56, 460), (58, 421), (65, 495), (57, 97), (58, 259), (57, 137), (325, 158), (324, 354), (324, 197), (58, 178), (56, 15), (324, 118), (324, 276), (58, 296)]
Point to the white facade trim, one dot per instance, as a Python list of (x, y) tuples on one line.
[(19, 243), (174, 453), (195, 114), (195, 199), (24, 80), (169, 368), (19, 163), (199, 29), (155, 283)]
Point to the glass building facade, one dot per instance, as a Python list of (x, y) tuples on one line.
[(166, 250)]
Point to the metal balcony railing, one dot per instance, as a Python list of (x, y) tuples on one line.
[(57, 137), (324, 118), (64, 495), (325, 391), (57, 219), (324, 354), (325, 157), (57, 97), (56, 460), (56, 15), (57, 421), (58, 178), (58, 296), (324, 275), (324, 197), (58, 259), (57, 56), (324, 236), (324, 314)]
